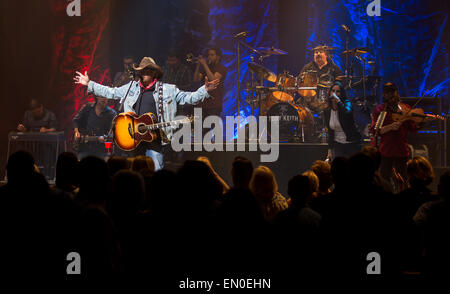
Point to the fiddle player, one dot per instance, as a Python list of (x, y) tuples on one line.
[(393, 143)]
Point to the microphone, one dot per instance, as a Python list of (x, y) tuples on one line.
[(345, 28), (241, 35), (336, 96), (131, 72)]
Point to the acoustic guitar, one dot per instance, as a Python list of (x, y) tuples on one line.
[(130, 129)]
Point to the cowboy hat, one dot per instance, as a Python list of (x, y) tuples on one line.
[(149, 62)]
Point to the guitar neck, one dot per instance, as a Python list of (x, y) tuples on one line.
[(89, 138), (166, 124)]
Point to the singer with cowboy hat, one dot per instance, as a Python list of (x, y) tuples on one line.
[(150, 94)]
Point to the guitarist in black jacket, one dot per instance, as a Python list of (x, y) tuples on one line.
[(344, 138), (91, 124)]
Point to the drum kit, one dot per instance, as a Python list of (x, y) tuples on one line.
[(299, 101)]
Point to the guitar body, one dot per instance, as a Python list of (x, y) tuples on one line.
[(130, 130)]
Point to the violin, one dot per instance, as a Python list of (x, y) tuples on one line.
[(414, 114)]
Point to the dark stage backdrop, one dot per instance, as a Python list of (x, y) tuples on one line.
[(42, 46)]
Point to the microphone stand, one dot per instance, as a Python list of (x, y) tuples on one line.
[(238, 81), (363, 77), (347, 40), (238, 42)]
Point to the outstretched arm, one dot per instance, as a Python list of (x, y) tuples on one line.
[(225, 187), (197, 96), (100, 90)]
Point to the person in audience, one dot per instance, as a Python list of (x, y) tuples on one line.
[(322, 169), (299, 213), (362, 219), (419, 175), (339, 175), (213, 171), (126, 198), (66, 172), (123, 225), (19, 168), (375, 154), (142, 162), (33, 220), (161, 193), (433, 219), (198, 200), (98, 240), (299, 227), (241, 172), (265, 188), (116, 163), (314, 182), (123, 206)]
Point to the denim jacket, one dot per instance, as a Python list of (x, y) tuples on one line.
[(172, 96)]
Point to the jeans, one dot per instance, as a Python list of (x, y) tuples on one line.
[(158, 158)]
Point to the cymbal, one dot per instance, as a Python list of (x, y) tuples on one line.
[(324, 48), (271, 51), (262, 71), (356, 51)]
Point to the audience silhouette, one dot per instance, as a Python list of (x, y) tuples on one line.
[(126, 220)]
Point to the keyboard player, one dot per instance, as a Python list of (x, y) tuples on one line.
[(38, 119)]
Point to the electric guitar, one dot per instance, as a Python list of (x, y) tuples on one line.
[(130, 129), (83, 140)]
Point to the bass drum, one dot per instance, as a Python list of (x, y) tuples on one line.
[(293, 121)]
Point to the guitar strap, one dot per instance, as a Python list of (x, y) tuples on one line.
[(160, 102), (161, 112)]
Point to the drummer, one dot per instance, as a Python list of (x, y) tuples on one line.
[(323, 65), (320, 73)]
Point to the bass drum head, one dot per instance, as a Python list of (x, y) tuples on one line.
[(293, 120)]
